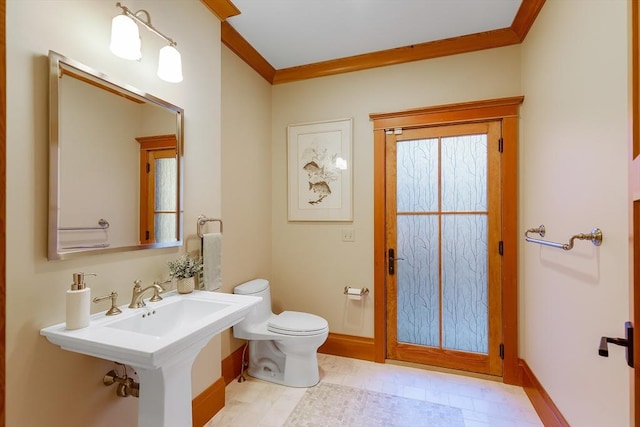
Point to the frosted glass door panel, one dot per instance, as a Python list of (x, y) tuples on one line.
[(464, 283), (417, 175), (166, 200), (417, 280), (166, 184), (464, 173), (441, 234), (166, 227)]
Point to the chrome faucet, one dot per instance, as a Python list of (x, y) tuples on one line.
[(137, 300)]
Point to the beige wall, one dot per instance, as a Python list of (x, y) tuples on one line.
[(46, 385), (573, 177), (572, 70), (246, 187), (311, 265)]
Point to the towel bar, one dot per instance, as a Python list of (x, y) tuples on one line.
[(89, 246), (103, 224), (595, 236)]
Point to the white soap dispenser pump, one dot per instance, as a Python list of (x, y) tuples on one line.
[(78, 302)]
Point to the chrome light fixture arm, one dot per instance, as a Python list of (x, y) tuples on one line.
[(125, 43), (134, 15)]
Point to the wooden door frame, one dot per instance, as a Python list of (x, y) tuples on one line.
[(634, 209), (3, 207), (147, 199), (504, 109)]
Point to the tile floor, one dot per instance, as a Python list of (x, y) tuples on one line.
[(483, 403)]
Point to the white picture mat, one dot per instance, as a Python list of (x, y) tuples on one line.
[(320, 171)]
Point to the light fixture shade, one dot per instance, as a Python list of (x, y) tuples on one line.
[(125, 38), (170, 65)]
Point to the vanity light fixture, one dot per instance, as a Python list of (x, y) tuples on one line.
[(125, 43)]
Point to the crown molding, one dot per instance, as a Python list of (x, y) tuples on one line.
[(525, 17), (223, 9), (515, 34), (234, 41), (400, 55)]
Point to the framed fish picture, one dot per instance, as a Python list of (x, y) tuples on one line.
[(320, 171)]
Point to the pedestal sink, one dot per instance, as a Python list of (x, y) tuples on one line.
[(160, 341)]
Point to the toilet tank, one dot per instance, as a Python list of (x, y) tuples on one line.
[(258, 288)]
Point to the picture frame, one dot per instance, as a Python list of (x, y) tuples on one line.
[(320, 171)]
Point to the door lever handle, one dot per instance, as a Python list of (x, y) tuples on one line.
[(627, 342), (392, 262)]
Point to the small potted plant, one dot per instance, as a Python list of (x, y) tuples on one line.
[(185, 269)]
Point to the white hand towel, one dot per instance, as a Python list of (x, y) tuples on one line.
[(211, 257)]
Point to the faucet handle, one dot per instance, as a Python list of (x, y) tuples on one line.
[(114, 303), (137, 283), (161, 284), (157, 289)]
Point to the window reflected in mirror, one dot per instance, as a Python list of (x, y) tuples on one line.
[(158, 189)]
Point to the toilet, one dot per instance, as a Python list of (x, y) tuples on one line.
[(282, 347)]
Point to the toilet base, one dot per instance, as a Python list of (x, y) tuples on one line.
[(268, 363)]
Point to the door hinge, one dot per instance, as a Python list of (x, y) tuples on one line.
[(500, 144), (501, 247), (146, 235), (148, 167), (394, 131), (502, 351)]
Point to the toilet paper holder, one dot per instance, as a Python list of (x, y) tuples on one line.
[(348, 290)]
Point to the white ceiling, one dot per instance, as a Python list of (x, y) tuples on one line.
[(288, 33)]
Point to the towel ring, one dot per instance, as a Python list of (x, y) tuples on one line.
[(202, 220)]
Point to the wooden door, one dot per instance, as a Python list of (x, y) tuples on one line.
[(444, 246)]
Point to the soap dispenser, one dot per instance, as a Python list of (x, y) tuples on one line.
[(78, 302)]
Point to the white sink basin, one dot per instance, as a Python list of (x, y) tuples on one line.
[(160, 341), (149, 336), (159, 321)]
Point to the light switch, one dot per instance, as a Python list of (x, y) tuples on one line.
[(348, 235)]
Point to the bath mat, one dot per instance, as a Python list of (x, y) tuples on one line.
[(338, 405)]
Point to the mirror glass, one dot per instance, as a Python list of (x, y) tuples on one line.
[(115, 165)]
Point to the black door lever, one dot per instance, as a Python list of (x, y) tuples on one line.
[(392, 262), (627, 342)]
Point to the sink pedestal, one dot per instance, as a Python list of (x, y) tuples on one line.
[(165, 393), (161, 343)]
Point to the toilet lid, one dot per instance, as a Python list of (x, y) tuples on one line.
[(251, 287), (297, 323)]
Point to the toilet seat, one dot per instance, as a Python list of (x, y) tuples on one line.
[(297, 323)]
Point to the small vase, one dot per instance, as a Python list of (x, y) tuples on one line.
[(185, 286)]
